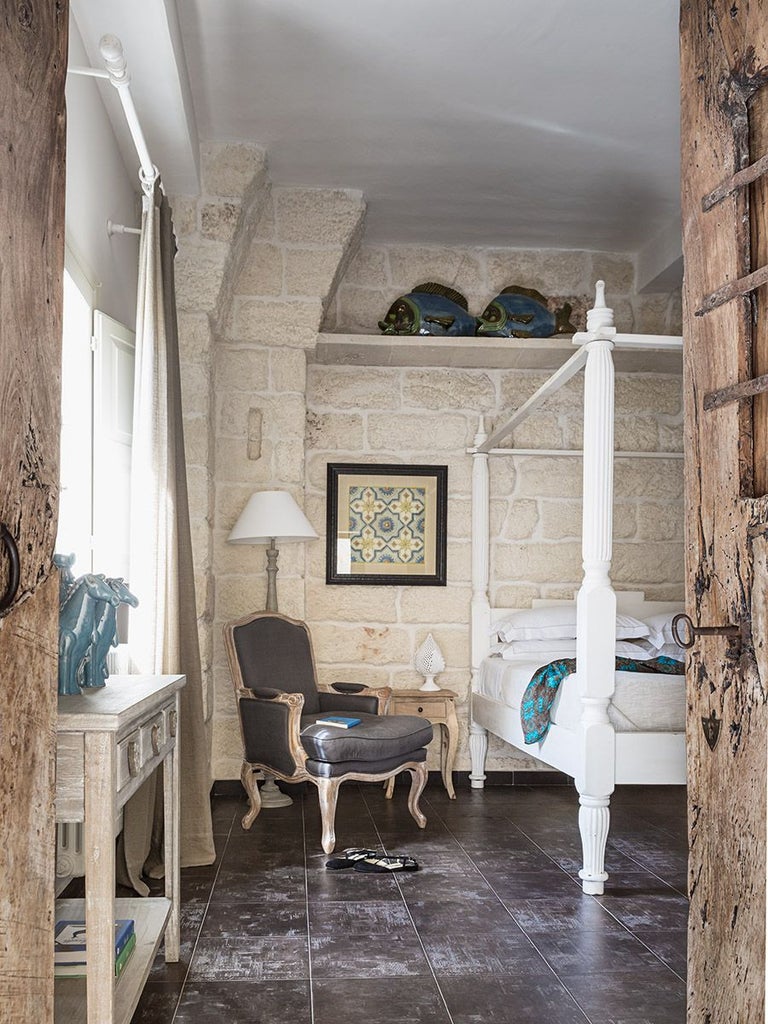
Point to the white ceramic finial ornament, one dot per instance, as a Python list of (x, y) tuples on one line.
[(428, 661)]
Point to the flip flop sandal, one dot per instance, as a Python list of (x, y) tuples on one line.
[(383, 864), (349, 858)]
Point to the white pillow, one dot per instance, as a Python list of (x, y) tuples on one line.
[(552, 650), (665, 651), (558, 622), (660, 628)]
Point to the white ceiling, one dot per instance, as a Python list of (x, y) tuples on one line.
[(485, 123)]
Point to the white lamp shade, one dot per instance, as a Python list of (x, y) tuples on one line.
[(268, 515)]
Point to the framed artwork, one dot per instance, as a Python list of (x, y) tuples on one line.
[(386, 525)]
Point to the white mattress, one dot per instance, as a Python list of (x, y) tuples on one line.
[(642, 701)]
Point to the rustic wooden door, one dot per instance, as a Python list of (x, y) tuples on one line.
[(33, 57), (724, 69)]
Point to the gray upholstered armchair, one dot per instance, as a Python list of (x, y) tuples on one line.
[(279, 702)]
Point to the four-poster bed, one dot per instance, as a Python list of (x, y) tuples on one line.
[(587, 742)]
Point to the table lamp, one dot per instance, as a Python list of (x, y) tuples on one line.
[(270, 516)]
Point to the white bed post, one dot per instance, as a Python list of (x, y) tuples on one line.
[(596, 600), (481, 607)]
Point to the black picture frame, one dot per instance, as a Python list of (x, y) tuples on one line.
[(375, 538)]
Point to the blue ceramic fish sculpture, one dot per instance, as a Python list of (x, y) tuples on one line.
[(522, 313), (430, 309)]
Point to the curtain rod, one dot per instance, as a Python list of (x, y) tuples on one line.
[(116, 73)]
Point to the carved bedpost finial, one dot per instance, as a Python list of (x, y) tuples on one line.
[(600, 315), (111, 50), (481, 434)]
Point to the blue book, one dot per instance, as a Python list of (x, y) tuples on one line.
[(70, 940), (342, 721)]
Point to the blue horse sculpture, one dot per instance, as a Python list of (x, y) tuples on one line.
[(77, 626), (105, 633)]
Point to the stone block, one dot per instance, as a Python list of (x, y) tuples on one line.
[(293, 322), (198, 490), (317, 216), (413, 264), (288, 370), (514, 595), (262, 271), (230, 168), (237, 559), (197, 441), (218, 221), (618, 272), (649, 478), (502, 475), (240, 595), (656, 521), (226, 748), (435, 605), (671, 437), (522, 519), (624, 520), (351, 603), (539, 430), (369, 267), (288, 460), (537, 562), (184, 215), (459, 518), (518, 385), (665, 592), (448, 389), (335, 432), (234, 466), (199, 272), (368, 675), (653, 562), (353, 387), (651, 313), (552, 477), (636, 433), (195, 389), (195, 338), (233, 413), (408, 432), (241, 369), (360, 644), (311, 272), (360, 309), (648, 393), (550, 271)]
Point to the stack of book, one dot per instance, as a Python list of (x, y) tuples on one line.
[(71, 949)]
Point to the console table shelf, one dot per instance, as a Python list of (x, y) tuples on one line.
[(108, 743)]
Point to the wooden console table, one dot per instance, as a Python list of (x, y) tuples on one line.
[(439, 707), (109, 741)]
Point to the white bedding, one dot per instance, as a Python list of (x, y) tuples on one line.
[(642, 701)]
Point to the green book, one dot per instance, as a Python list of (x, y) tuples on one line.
[(79, 970)]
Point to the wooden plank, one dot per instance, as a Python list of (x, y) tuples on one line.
[(736, 181), (33, 59), (723, 47), (735, 392)]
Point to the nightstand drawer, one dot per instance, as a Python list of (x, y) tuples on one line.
[(433, 709), (129, 760)]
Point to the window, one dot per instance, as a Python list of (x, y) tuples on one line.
[(98, 356)]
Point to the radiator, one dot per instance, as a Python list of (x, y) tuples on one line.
[(70, 861)]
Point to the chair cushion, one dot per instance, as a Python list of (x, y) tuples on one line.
[(391, 766), (376, 738)]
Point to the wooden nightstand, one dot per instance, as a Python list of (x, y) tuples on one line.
[(439, 707)]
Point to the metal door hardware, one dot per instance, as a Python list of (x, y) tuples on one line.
[(711, 726), (6, 600), (695, 631)]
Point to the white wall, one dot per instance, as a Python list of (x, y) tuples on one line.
[(99, 188)]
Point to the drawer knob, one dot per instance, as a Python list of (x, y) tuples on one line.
[(172, 721), (420, 710), (155, 738), (133, 759)]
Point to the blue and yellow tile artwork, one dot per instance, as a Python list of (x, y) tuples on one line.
[(387, 525)]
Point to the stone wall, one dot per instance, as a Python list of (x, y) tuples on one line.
[(430, 415), (259, 270)]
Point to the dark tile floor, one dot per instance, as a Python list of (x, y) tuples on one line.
[(494, 927)]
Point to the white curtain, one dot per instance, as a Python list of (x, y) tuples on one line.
[(163, 629)]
